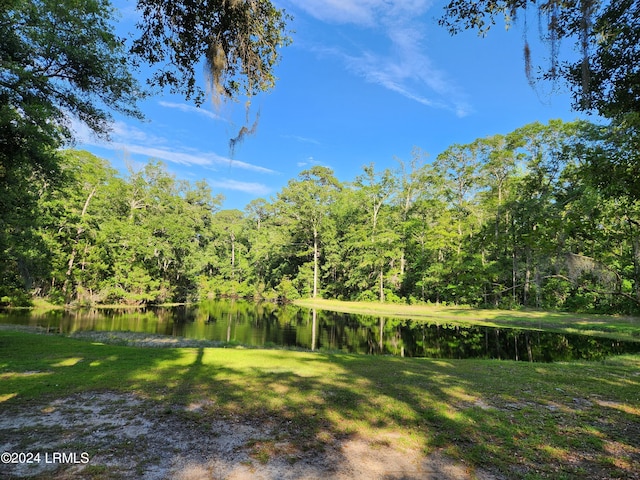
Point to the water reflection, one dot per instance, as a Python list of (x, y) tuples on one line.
[(265, 324)]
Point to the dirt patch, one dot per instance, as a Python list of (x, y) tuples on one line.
[(137, 339), (109, 435)]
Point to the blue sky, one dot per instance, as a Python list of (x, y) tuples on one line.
[(363, 81)]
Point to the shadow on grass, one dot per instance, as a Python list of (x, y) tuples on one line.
[(625, 329), (524, 420), (518, 420)]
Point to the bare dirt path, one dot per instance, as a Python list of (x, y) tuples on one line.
[(106, 435)]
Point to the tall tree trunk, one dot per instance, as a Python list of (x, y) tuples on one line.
[(74, 250), (635, 243), (315, 262), (314, 327), (513, 274), (514, 263), (233, 256), (636, 266), (538, 285), (497, 225), (527, 275), (529, 351)]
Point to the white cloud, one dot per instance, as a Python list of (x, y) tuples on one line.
[(360, 12), (201, 159), (183, 107), (133, 140), (298, 138), (125, 133), (406, 68), (340, 11), (409, 72), (246, 187), (121, 132), (308, 161)]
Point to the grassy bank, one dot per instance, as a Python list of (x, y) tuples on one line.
[(520, 420), (618, 327)]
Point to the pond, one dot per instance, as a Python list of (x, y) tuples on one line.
[(266, 324)]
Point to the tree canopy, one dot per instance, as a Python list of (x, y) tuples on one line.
[(545, 216), (59, 60), (237, 39), (63, 60), (606, 77)]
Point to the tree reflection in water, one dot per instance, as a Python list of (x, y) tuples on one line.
[(265, 324)]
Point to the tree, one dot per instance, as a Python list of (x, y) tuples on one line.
[(162, 230), (459, 167), (607, 80), (411, 181), (228, 247), (58, 60), (61, 59), (613, 160), (429, 234), (108, 239), (375, 240), (86, 177), (307, 202), (609, 164), (237, 39), (607, 33)]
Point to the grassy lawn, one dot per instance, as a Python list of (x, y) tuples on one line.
[(520, 420), (618, 327)]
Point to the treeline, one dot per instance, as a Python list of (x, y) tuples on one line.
[(546, 216)]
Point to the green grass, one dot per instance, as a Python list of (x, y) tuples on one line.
[(622, 328), (569, 420)]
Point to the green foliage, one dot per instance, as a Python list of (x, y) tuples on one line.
[(555, 293), (15, 298), (62, 61), (607, 78), (606, 33), (61, 58), (526, 219), (286, 290), (239, 40), (57, 59), (131, 286), (546, 216), (120, 241)]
